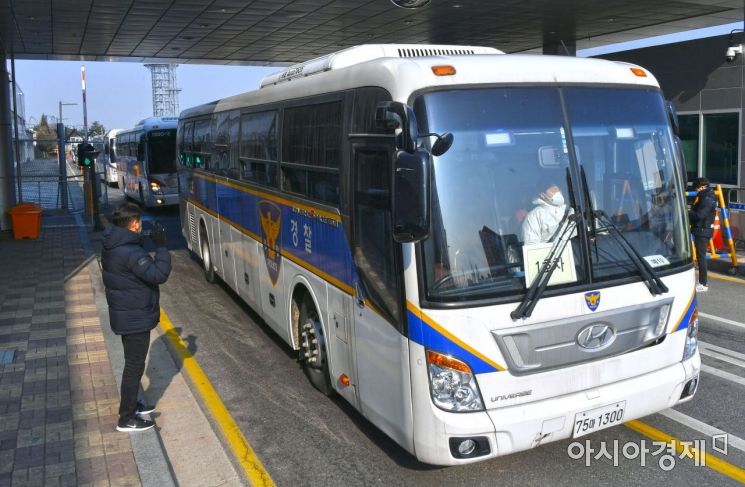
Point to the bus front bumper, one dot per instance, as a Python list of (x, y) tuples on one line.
[(155, 200), (510, 429)]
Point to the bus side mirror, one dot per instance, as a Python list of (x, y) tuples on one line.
[(398, 118), (411, 196)]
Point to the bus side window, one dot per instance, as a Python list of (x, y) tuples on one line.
[(189, 144), (222, 143), (234, 119), (141, 147), (202, 144), (258, 149), (311, 151)]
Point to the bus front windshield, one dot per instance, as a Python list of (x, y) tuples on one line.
[(161, 157), (501, 194)]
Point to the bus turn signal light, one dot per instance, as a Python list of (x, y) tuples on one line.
[(639, 72), (446, 362), (443, 70), (344, 380)]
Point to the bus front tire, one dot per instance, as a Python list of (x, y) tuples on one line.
[(313, 349), (209, 269)]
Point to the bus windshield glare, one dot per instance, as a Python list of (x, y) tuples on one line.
[(162, 151), (503, 188)]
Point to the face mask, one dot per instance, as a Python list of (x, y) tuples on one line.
[(557, 199)]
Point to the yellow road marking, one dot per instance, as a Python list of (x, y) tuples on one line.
[(241, 449), (721, 277), (710, 461)]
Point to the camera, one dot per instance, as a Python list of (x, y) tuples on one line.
[(411, 4), (732, 52)]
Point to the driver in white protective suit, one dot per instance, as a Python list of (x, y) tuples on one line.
[(543, 220)]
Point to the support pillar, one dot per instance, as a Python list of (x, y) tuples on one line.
[(7, 171), (559, 47)]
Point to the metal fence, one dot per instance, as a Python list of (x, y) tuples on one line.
[(41, 183)]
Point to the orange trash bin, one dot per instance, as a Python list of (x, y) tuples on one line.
[(26, 220)]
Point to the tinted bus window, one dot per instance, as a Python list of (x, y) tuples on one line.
[(258, 147), (225, 127), (311, 151), (259, 136), (234, 124), (162, 151), (188, 136), (312, 135), (201, 135), (140, 146)]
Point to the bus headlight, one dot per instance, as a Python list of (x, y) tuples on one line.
[(155, 186), (452, 384), (691, 336)]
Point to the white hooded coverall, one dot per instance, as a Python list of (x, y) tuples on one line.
[(542, 222)]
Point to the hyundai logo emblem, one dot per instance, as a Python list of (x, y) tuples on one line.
[(596, 337)]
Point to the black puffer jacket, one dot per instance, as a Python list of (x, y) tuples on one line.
[(702, 214), (131, 277)]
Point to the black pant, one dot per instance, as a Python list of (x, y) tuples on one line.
[(701, 243), (135, 352)]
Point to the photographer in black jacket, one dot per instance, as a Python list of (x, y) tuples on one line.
[(702, 227), (132, 277)]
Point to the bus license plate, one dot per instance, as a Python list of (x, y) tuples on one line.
[(599, 418)]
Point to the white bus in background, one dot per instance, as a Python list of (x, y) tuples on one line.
[(106, 161), (146, 162), (369, 205)]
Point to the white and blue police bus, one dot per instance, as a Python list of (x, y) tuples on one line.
[(146, 162), (106, 161), (369, 205)]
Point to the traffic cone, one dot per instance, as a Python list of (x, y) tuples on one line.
[(717, 238)]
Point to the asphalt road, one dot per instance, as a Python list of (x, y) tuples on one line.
[(304, 438)]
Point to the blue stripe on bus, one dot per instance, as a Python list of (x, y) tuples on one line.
[(423, 334), (683, 323), (327, 249)]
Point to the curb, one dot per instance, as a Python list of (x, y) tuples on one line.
[(147, 447)]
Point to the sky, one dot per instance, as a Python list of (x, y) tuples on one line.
[(119, 94)]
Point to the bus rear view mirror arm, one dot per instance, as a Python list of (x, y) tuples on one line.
[(442, 144), (396, 117)]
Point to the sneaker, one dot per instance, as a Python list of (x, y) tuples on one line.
[(143, 408), (135, 424), (700, 288)]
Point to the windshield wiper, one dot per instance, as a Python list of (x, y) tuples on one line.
[(648, 274), (538, 287), (650, 277), (588, 203)]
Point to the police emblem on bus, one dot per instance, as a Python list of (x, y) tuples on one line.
[(592, 300), (270, 217)]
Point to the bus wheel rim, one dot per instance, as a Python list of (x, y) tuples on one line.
[(312, 343)]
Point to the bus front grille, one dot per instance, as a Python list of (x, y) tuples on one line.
[(570, 341)]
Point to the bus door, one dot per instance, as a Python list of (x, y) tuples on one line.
[(381, 347)]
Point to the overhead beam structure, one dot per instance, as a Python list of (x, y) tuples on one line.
[(278, 32)]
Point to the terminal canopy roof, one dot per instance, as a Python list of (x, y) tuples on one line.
[(276, 32)]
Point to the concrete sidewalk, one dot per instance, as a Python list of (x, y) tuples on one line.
[(59, 371)]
